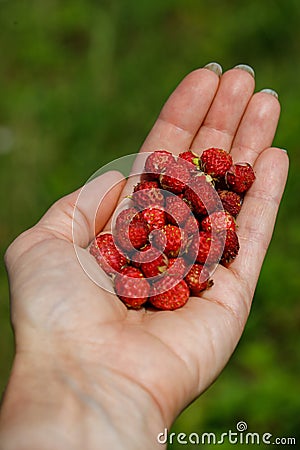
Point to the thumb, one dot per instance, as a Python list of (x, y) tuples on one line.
[(77, 217), (80, 215)]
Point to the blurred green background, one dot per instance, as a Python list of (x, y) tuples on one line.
[(81, 83)]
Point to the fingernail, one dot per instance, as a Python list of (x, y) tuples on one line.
[(270, 91), (246, 68), (214, 67), (283, 150)]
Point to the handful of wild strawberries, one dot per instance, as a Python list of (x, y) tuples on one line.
[(181, 224)]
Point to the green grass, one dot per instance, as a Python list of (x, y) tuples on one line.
[(82, 82)]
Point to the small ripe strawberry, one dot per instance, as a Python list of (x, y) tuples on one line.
[(156, 266), (190, 157), (135, 235), (157, 162), (205, 248), (132, 287), (106, 254), (138, 234), (231, 247), (147, 194), (175, 178), (177, 267), (154, 217), (126, 216), (197, 279), (145, 254), (169, 240), (231, 201), (177, 210), (191, 226), (240, 177), (201, 195), (218, 221), (215, 162), (169, 299)]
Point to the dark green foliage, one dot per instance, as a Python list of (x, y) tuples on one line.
[(81, 83)]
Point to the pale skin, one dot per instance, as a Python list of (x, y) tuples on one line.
[(88, 373)]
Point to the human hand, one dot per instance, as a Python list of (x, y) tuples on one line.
[(118, 377)]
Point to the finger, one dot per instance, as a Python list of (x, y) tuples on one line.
[(257, 129), (257, 217), (179, 119), (183, 113), (80, 215), (220, 125)]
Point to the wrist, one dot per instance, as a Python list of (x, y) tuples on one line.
[(34, 404), (56, 403)]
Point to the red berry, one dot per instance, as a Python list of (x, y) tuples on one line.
[(215, 162), (197, 279), (169, 239), (205, 248), (190, 157), (134, 235), (218, 221), (126, 216), (231, 247), (157, 162), (131, 287), (175, 178), (170, 248), (240, 177), (231, 201), (156, 266), (177, 210), (201, 195), (191, 226), (106, 253), (170, 299), (147, 194), (143, 255), (154, 217), (177, 267)]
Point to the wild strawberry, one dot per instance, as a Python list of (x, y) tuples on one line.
[(190, 157), (169, 248), (205, 248), (106, 254), (191, 226), (240, 177), (154, 217), (177, 210), (157, 162), (146, 254), (201, 195), (126, 216), (215, 162), (133, 236), (177, 267), (132, 287), (156, 266), (169, 299), (147, 194), (197, 279), (231, 201), (218, 221), (169, 239), (231, 247), (175, 178)]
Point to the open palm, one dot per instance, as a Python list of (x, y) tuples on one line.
[(173, 356)]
